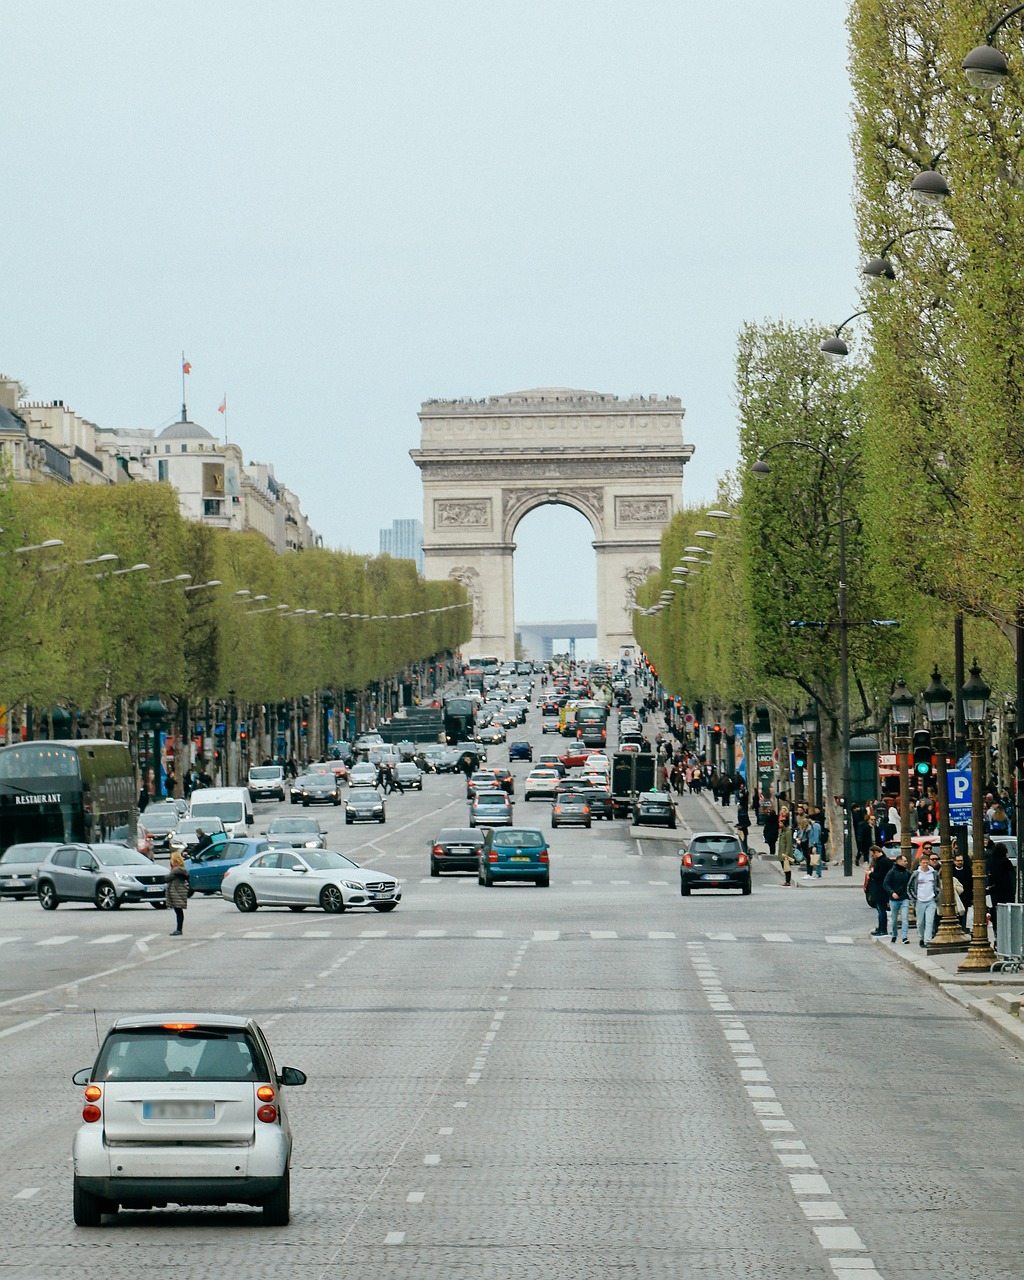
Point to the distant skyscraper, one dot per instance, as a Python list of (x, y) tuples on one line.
[(404, 541)]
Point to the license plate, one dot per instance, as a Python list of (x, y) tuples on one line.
[(179, 1111), (382, 895), (714, 877), (155, 888), (517, 858), (15, 884)]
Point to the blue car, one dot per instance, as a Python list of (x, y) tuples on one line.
[(515, 853), (206, 871), (520, 751)]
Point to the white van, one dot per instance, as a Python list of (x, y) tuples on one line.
[(233, 805)]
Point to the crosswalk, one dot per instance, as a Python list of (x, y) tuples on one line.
[(537, 935)]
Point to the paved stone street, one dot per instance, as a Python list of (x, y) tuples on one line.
[(604, 1079)]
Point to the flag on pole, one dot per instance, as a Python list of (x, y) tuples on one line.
[(186, 366), (223, 406)]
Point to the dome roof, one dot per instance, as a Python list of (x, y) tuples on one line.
[(185, 430)]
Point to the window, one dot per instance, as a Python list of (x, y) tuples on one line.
[(161, 469)]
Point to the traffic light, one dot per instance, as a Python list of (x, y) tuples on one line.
[(1018, 752), (922, 753), (800, 752)]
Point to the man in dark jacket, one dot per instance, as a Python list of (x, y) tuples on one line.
[(770, 830), (895, 890), (880, 868)]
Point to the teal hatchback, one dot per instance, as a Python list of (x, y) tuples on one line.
[(515, 853)]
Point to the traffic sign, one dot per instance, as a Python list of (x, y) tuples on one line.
[(959, 781)]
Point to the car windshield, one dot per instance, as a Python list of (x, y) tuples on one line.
[(517, 840), (189, 826), (113, 855), (262, 773), (226, 810), (282, 826), (161, 812), (364, 799), (25, 853), (325, 860), (189, 1053)]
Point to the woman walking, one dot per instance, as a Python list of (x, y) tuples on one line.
[(785, 835), (177, 892)]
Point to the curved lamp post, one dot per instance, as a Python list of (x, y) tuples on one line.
[(834, 349), (840, 474), (985, 67), (880, 267)]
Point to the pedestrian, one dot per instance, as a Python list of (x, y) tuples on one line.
[(177, 892), (895, 888), (1002, 883), (815, 847), (864, 834), (923, 891), (770, 831), (881, 865), (801, 843), (203, 842), (785, 835), (963, 884), (395, 780), (143, 799), (743, 829)]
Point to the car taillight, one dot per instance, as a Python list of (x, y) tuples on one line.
[(267, 1114), (93, 1093), (265, 1093), (492, 856), (741, 861), (687, 860), (543, 857), (91, 1112)]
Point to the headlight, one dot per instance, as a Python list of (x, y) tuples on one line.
[(125, 877), (351, 884), (311, 844)]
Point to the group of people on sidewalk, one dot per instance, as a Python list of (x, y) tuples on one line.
[(891, 886)]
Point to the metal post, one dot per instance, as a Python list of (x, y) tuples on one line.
[(844, 665), (950, 936), (980, 955), (903, 763), (959, 676)]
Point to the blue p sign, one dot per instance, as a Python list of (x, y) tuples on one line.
[(959, 787)]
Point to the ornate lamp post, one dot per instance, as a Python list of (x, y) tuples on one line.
[(796, 725), (152, 713), (902, 703), (938, 705), (975, 694)]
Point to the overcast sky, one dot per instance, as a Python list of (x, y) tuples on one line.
[(340, 209)]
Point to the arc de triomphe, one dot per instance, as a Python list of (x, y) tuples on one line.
[(487, 463)]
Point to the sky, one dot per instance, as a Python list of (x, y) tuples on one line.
[(341, 209)]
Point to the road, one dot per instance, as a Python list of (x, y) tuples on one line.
[(602, 1079)]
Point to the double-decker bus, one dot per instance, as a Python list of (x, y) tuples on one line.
[(478, 668), (82, 790), (591, 722)]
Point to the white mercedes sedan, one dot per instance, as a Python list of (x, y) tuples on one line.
[(298, 879)]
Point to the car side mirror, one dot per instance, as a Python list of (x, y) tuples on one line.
[(302, 870), (82, 1076), (292, 1076)]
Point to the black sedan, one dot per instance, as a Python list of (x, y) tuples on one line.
[(655, 809), (319, 788), (365, 805), (455, 849)]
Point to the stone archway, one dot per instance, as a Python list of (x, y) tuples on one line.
[(486, 464)]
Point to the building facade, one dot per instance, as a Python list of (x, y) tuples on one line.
[(404, 541)]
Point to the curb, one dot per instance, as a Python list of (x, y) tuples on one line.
[(992, 1008)]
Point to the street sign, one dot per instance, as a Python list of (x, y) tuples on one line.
[(959, 796)]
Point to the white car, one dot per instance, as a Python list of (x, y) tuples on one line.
[(308, 878), (541, 782), (362, 775), (183, 1109)]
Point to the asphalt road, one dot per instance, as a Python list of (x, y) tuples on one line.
[(603, 1079)]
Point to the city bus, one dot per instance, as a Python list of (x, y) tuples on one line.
[(592, 723), (82, 791), (478, 669)]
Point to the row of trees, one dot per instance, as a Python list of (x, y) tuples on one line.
[(85, 634)]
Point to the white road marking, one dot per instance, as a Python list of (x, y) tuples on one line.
[(618, 881), (374, 933), (809, 1184), (776, 937), (850, 1269), (3, 940), (258, 933), (395, 1237), (722, 937), (794, 1160), (838, 940), (545, 935), (822, 1210), (24, 1026), (57, 940), (581, 882), (444, 1133), (318, 933), (27, 1194), (839, 1238), (660, 883), (432, 1159), (109, 937), (415, 1197)]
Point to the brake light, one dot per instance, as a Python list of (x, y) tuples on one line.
[(741, 861), (265, 1093), (179, 1026), (543, 857), (687, 860), (492, 856), (267, 1114), (93, 1093)]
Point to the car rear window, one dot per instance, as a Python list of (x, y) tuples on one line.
[(715, 844), (468, 835), (517, 840), (191, 1054)]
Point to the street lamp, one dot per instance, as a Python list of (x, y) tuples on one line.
[(974, 696), (840, 475), (810, 727), (985, 67), (902, 702), (938, 705), (152, 713), (834, 349)]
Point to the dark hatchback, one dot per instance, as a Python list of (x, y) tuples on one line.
[(520, 751), (600, 802), (714, 860), (655, 809), (456, 849)]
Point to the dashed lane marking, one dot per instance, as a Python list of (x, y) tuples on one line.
[(109, 937), (58, 940)]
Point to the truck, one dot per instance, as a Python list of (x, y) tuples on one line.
[(632, 772), (459, 719)]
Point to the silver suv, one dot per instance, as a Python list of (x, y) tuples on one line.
[(183, 1109), (105, 874)]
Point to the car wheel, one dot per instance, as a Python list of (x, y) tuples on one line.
[(747, 886), (88, 1209), (332, 899), (384, 906), (305, 804), (435, 870), (106, 896), (293, 906), (295, 799), (684, 888), (488, 880), (277, 1207), (383, 818), (245, 898), (47, 895), (543, 882)]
